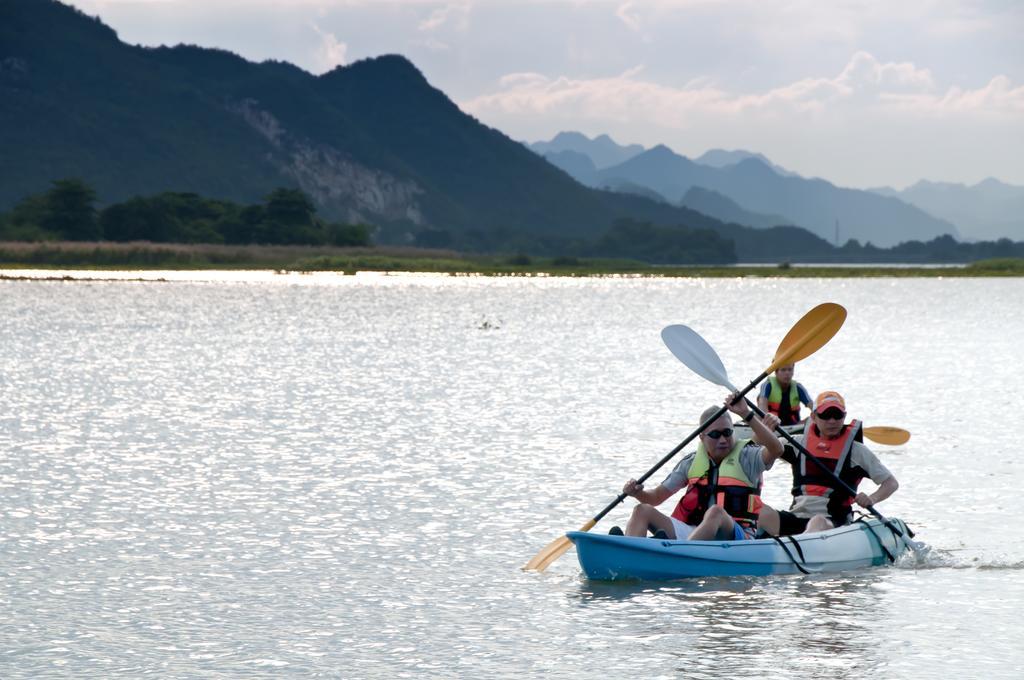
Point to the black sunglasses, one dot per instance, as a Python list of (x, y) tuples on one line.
[(832, 414), (718, 434)]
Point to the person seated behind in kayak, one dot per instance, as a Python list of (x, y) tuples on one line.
[(819, 502), (722, 480), (782, 395)]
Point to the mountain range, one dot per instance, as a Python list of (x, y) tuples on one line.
[(602, 150), (747, 188), (721, 158)]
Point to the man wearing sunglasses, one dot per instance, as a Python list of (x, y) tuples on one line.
[(819, 503), (722, 480)]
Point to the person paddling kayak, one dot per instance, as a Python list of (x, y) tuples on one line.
[(722, 480), (819, 503), (782, 395)]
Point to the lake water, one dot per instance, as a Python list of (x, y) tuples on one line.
[(258, 475)]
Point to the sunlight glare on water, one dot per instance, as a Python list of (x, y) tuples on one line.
[(266, 475)]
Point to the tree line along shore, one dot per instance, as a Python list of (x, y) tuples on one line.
[(62, 228), (16, 256)]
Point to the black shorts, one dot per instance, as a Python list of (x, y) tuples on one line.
[(790, 524)]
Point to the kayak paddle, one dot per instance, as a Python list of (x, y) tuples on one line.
[(806, 337), (883, 434)]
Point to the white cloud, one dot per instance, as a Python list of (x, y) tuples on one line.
[(455, 13), (997, 98), (626, 12), (330, 53), (864, 82), (865, 72)]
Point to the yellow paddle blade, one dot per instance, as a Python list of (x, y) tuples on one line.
[(882, 434), (553, 550), (809, 334)]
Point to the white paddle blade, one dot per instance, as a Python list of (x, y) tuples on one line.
[(694, 351)]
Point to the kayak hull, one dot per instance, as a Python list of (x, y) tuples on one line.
[(853, 546)]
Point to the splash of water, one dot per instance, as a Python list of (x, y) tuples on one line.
[(931, 557)]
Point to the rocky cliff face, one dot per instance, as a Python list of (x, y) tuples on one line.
[(362, 193), (339, 185)]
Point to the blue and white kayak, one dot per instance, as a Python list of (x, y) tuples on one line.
[(853, 546)]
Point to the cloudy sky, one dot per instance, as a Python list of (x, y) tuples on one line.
[(860, 93)]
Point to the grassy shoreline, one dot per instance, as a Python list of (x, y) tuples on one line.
[(159, 256)]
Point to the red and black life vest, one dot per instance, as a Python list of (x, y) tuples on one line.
[(810, 480), (725, 484)]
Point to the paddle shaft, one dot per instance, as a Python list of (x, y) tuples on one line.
[(849, 489), (718, 414)]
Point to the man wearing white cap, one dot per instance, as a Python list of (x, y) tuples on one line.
[(819, 503)]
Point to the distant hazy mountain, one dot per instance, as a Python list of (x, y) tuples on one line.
[(720, 158), (988, 210), (578, 165), (581, 168), (662, 170), (814, 204), (602, 150), (722, 208)]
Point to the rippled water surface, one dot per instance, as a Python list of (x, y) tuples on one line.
[(258, 475)]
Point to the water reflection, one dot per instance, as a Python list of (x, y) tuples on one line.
[(723, 626), (597, 591)]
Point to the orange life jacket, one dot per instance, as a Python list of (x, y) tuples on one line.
[(810, 480)]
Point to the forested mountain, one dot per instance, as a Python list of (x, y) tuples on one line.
[(369, 143)]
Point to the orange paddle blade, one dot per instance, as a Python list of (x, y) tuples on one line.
[(894, 436), (553, 550), (810, 334)]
